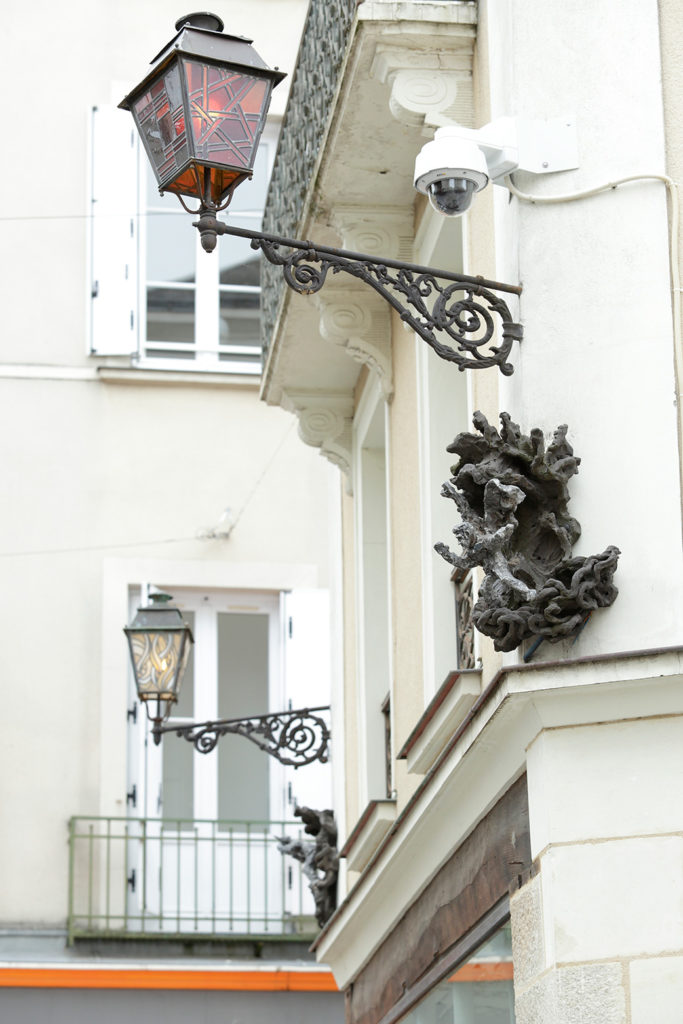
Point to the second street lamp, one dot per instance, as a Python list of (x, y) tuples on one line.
[(160, 642), (200, 112)]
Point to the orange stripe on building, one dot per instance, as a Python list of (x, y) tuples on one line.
[(484, 972), (102, 977)]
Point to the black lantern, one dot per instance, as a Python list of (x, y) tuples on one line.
[(160, 643), (201, 109)]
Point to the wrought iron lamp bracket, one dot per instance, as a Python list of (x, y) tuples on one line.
[(458, 318), (295, 738)]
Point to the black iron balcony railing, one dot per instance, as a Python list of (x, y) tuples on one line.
[(178, 879), (323, 46)]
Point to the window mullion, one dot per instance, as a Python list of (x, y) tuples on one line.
[(207, 276)]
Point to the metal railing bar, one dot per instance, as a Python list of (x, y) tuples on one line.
[(107, 895), (248, 876), (72, 854), (161, 878), (90, 872), (213, 878), (143, 880), (231, 861), (179, 854), (125, 874), (196, 876), (264, 845)]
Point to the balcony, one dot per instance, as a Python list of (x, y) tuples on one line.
[(153, 878)]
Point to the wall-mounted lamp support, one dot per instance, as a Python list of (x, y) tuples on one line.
[(464, 311), (204, 77), (295, 738)]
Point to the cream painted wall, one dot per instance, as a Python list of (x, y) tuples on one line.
[(57, 65), (95, 471), (596, 307)]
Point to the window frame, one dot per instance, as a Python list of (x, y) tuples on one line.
[(118, 242)]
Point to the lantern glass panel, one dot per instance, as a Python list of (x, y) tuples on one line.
[(160, 660), (227, 109), (160, 115)]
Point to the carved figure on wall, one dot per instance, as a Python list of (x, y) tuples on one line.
[(319, 858), (512, 493)]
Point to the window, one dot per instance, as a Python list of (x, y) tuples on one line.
[(197, 852), (255, 652), (479, 991), (156, 296)]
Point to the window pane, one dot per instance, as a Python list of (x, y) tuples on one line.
[(185, 706), (480, 991), (177, 755), (170, 322), (240, 276), (251, 195), (242, 691), (170, 242)]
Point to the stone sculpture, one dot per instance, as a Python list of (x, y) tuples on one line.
[(512, 494), (319, 858)]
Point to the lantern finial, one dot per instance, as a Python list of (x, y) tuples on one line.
[(201, 19)]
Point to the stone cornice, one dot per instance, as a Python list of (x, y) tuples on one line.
[(360, 323), (325, 422), (428, 88)]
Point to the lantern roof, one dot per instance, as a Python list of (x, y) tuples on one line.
[(195, 38)]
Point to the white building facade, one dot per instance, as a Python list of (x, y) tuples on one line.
[(510, 831)]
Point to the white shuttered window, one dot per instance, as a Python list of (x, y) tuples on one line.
[(155, 295)]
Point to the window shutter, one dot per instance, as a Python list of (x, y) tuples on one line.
[(307, 684), (114, 234)]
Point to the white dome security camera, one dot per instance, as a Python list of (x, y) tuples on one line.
[(449, 171), (461, 161)]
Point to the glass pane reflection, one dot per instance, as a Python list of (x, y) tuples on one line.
[(170, 322), (170, 238), (480, 990)]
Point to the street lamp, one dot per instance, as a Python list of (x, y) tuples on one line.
[(160, 643), (200, 112)]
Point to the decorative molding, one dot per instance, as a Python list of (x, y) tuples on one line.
[(429, 88), (382, 231), (359, 322), (325, 422), (368, 833), (512, 494)]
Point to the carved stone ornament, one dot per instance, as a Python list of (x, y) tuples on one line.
[(319, 858), (512, 494)]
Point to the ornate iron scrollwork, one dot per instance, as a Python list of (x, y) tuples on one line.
[(465, 312), (295, 738), (460, 319), (512, 494), (319, 859)]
